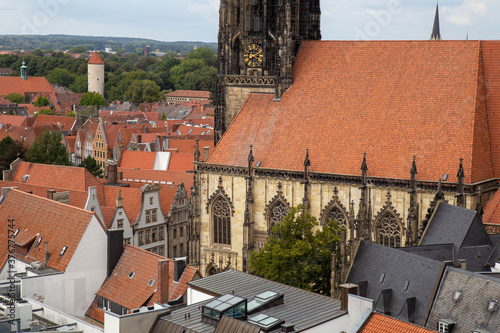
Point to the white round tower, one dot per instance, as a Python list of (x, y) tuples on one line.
[(96, 74)]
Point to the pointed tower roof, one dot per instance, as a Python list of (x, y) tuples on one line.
[(436, 34), (95, 59)]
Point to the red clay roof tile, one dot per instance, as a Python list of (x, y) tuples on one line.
[(378, 323), (390, 99), (95, 59)]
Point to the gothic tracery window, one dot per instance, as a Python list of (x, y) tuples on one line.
[(222, 222), (278, 213), (337, 215), (388, 231)]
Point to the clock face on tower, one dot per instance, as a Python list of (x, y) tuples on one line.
[(253, 55)]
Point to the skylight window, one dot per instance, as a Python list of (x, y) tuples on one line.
[(38, 241), (151, 282), (131, 274), (382, 278), (264, 321), (406, 285), (63, 250), (16, 232)]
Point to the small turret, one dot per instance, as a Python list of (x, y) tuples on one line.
[(24, 71), (436, 33), (96, 74)]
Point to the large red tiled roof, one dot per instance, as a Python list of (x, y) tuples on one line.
[(64, 123), (188, 146), (181, 162), (58, 224), (55, 176), (378, 323), (12, 84), (189, 94), (156, 176), (132, 159), (76, 198), (390, 99), (492, 210), (131, 200), (132, 293), (12, 120), (95, 59)]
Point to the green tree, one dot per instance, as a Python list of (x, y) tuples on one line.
[(91, 165), (61, 76), (49, 149), (15, 98), (92, 98), (143, 91), (296, 255), (9, 151), (41, 101), (46, 111)]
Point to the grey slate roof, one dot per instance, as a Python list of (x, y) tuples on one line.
[(457, 225), (399, 266), (302, 308), (440, 252), (470, 312)]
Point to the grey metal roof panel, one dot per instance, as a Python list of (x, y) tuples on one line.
[(231, 325), (302, 308), (399, 266)]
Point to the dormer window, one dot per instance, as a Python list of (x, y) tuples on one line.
[(446, 325)]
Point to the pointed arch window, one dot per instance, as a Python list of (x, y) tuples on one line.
[(221, 216), (278, 213), (388, 230), (336, 214)]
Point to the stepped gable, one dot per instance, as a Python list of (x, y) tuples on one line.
[(390, 99)]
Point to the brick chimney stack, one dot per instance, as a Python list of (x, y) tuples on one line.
[(163, 281)]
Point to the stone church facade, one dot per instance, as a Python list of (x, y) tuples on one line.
[(370, 134)]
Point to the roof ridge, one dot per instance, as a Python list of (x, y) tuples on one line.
[(52, 201)]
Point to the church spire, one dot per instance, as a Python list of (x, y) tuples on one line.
[(436, 34)]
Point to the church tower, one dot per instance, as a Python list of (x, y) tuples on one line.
[(96, 74), (258, 41)]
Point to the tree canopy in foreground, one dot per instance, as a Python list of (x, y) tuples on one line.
[(297, 255)]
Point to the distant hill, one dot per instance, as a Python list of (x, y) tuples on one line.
[(66, 42)]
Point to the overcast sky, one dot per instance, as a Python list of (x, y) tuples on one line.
[(197, 20)]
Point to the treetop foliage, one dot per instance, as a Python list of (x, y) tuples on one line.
[(298, 254), (49, 149)]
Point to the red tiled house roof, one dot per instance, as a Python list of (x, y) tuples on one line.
[(131, 200), (55, 176), (181, 162), (189, 94), (12, 120), (142, 177), (58, 224), (492, 210), (390, 99), (132, 159), (378, 323), (33, 85), (64, 123), (132, 293), (77, 198), (95, 59)]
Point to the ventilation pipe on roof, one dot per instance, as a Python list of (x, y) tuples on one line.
[(139, 138), (163, 280), (345, 290)]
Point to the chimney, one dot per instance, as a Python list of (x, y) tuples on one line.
[(206, 152), (345, 290), (179, 267), (146, 129), (47, 254), (119, 200), (163, 281), (50, 194), (139, 138), (115, 248), (287, 328), (112, 173)]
